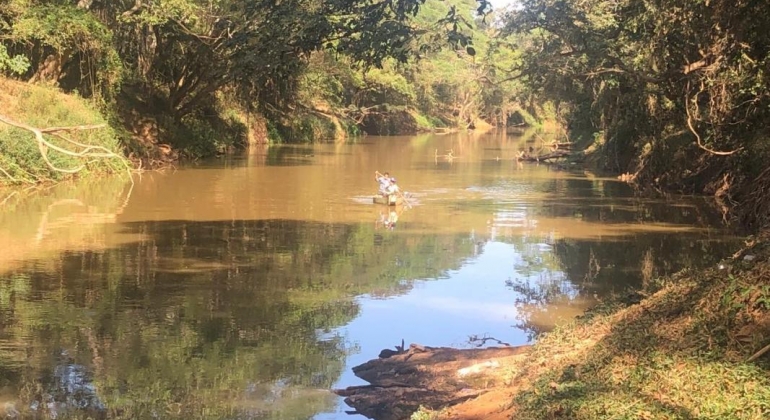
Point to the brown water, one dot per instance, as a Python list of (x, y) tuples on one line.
[(248, 287)]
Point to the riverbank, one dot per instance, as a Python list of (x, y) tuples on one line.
[(79, 133), (687, 346), (47, 135)]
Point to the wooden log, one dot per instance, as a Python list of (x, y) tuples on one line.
[(545, 157)]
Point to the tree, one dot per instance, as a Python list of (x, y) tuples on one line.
[(673, 90)]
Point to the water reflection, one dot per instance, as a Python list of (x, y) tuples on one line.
[(174, 321), (246, 288)]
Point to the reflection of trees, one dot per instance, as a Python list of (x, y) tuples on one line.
[(564, 271), (202, 319), (536, 296), (51, 221)]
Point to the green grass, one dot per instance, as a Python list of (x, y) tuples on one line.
[(42, 107), (679, 354), (422, 121)]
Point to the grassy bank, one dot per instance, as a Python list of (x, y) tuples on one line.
[(23, 160), (683, 352), (695, 346)]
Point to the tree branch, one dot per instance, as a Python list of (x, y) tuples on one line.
[(44, 145), (694, 132)]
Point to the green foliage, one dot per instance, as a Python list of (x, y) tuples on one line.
[(423, 123), (307, 128), (45, 107), (316, 70), (83, 45), (197, 136), (388, 87), (646, 75), (17, 64), (273, 135), (425, 414), (451, 84)]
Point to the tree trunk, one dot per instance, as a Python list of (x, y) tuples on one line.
[(50, 69)]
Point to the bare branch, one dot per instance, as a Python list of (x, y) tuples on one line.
[(44, 145), (14, 179), (758, 354), (694, 132), (73, 128)]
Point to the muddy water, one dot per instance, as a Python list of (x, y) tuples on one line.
[(247, 287)]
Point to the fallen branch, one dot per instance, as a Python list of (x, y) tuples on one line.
[(449, 156), (759, 354), (524, 156), (88, 152)]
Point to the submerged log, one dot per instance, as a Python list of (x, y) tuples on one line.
[(432, 377), (557, 154)]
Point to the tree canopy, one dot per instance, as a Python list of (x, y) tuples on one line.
[(673, 91)]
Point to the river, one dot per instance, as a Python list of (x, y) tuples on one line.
[(248, 286)]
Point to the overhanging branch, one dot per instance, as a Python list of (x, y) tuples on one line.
[(695, 132)]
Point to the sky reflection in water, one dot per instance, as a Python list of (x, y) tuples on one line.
[(248, 287)]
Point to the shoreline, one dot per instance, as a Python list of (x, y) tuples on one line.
[(690, 345)]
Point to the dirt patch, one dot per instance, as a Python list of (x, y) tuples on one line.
[(463, 383)]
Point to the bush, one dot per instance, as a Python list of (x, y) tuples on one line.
[(197, 136)]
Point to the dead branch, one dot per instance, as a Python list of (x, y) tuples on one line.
[(694, 132), (557, 154), (73, 128), (450, 156), (12, 178), (88, 151), (759, 354), (480, 341), (134, 10), (9, 197)]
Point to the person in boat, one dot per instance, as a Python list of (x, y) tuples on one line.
[(393, 187), (384, 181)]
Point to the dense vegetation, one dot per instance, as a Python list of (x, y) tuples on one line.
[(204, 76), (673, 92)]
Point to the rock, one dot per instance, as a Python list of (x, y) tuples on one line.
[(432, 377), (386, 353)]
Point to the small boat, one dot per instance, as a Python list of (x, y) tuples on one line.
[(390, 199)]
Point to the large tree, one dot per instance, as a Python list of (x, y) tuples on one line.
[(674, 90)]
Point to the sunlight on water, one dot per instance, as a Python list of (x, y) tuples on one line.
[(249, 286)]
